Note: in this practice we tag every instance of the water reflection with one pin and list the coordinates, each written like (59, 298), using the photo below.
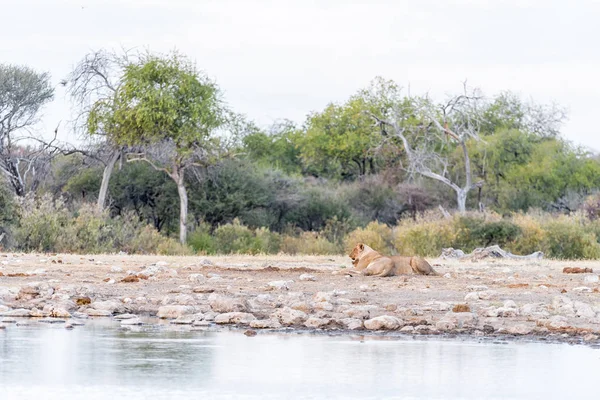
(99, 362)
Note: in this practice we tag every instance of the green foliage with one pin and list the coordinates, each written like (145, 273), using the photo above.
(340, 141)
(237, 238)
(47, 225)
(424, 237)
(161, 98)
(566, 238)
(308, 243)
(376, 235)
(278, 149)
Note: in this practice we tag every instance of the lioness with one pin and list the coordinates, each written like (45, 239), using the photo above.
(367, 261)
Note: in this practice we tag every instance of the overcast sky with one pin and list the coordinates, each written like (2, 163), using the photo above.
(283, 59)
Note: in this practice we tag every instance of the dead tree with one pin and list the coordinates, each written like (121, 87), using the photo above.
(454, 122)
(93, 83)
(23, 92)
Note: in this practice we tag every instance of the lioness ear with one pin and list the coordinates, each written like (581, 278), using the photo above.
(361, 246)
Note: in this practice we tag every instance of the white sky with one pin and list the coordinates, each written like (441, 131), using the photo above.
(284, 58)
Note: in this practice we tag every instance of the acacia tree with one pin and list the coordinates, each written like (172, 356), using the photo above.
(23, 92)
(428, 132)
(92, 85)
(166, 105)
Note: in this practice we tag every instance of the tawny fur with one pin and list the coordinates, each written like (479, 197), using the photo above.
(367, 261)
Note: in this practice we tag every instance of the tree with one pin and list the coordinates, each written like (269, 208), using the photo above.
(166, 105)
(434, 129)
(23, 93)
(93, 86)
(341, 141)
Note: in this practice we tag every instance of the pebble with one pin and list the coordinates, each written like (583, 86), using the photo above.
(307, 277)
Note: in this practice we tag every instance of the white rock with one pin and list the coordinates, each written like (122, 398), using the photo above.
(583, 289)
(591, 279)
(197, 278)
(519, 329)
(307, 277)
(172, 312)
(473, 296)
(288, 316)
(447, 275)
(116, 269)
(234, 318)
(131, 321)
(510, 304)
(265, 324)
(352, 323)
(583, 310)
(281, 285)
(385, 322)
(316, 323)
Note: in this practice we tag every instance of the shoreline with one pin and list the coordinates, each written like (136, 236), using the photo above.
(493, 299)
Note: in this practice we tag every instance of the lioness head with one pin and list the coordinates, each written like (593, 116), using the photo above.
(357, 251)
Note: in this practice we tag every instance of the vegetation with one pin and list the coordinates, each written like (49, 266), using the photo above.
(381, 167)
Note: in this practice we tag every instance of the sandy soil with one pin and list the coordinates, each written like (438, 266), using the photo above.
(532, 299)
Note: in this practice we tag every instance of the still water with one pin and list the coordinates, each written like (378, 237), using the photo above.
(100, 361)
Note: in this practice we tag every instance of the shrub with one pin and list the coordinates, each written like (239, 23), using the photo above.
(201, 241)
(424, 237)
(91, 231)
(499, 233)
(42, 221)
(308, 243)
(531, 235)
(376, 235)
(567, 239)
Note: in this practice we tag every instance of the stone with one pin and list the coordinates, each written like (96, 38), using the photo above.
(557, 322)
(250, 333)
(20, 312)
(121, 317)
(519, 329)
(445, 325)
(280, 285)
(534, 309)
(447, 275)
(316, 323)
(361, 312)
(583, 310)
(563, 305)
(59, 312)
(324, 306)
(234, 318)
(111, 306)
(322, 297)
(265, 324)
(197, 278)
(183, 320)
(224, 304)
(407, 329)
(307, 277)
(2, 327)
(352, 323)
(505, 312)
(172, 312)
(461, 319)
(98, 313)
(288, 316)
(9, 320)
(591, 279)
(510, 304)
(116, 269)
(583, 289)
(200, 323)
(383, 322)
(473, 296)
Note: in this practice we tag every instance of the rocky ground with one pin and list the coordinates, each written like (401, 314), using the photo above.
(531, 299)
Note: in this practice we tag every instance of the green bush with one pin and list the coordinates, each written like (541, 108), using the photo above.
(375, 235)
(308, 243)
(424, 237)
(42, 222)
(565, 238)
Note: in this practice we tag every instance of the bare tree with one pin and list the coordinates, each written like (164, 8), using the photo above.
(94, 83)
(23, 92)
(455, 121)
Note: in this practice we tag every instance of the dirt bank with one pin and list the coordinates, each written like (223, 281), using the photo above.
(532, 299)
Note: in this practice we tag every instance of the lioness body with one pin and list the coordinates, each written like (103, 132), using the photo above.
(370, 262)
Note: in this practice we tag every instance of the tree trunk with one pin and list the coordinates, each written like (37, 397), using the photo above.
(461, 200)
(106, 178)
(183, 206)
